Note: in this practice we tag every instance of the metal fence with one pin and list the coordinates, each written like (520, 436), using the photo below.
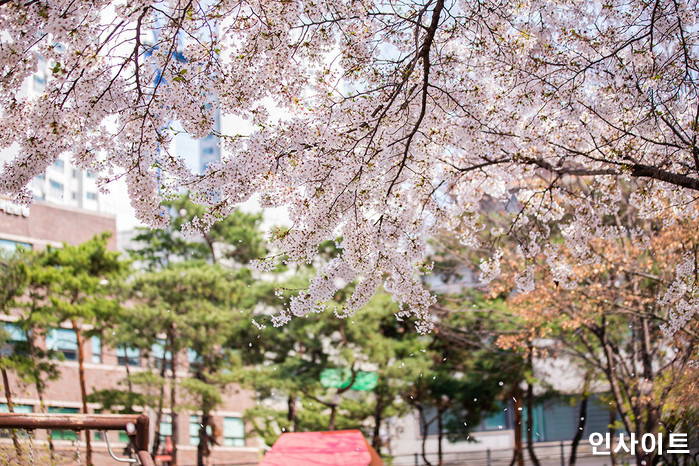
(549, 454)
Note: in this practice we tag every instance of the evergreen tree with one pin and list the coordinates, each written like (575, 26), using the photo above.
(27, 298)
(197, 297)
(234, 239)
(13, 276)
(79, 293)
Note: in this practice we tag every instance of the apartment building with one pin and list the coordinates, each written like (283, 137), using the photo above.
(44, 225)
(65, 184)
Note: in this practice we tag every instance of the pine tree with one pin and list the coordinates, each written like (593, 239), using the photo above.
(79, 292)
(196, 297)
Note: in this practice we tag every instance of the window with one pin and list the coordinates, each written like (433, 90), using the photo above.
(63, 434)
(193, 358)
(452, 422)
(233, 432)
(74, 195)
(17, 408)
(194, 430)
(64, 340)
(194, 426)
(75, 173)
(59, 165)
(160, 355)
(558, 418)
(91, 196)
(91, 174)
(55, 188)
(495, 421)
(165, 428)
(12, 246)
(96, 350)
(123, 437)
(130, 356)
(99, 436)
(207, 150)
(13, 334)
(5, 433)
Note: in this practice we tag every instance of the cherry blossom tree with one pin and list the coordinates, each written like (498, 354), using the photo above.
(376, 121)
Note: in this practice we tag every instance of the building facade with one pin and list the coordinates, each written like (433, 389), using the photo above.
(555, 422)
(45, 225)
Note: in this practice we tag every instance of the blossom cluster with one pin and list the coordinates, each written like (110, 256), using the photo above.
(372, 121)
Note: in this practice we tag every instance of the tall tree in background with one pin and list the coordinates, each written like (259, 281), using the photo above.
(453, 393)
(617, 325)
(184, 305)
(214, 310)
(479, 330)
(318, 364)
(504, 345)
(29, 307)
(626, 313)
(412, 370)
(168, 302)
(80, 294)
(13, 276)
(235, 239)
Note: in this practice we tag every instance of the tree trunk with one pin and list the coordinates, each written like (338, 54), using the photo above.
(128, 451)
(423, 422)
(582, 419)
(530, 425)
(440, 436)
(39, 385)
(612, 434)
(610, 371)
(653, 408)
(129, 384)
(173, 393)
(652, 426)
(292, 415)
(11, 409)
(518, 454)
(159, 413)
(203, 447)
(210, 244)
(333, 409)
(378, 419)
(83, 388)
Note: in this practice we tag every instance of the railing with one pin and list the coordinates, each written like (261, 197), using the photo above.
(548, 453)
(136, 426)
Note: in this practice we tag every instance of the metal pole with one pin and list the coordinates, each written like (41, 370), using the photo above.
(563, 457)
(488, 452)
(416, 464)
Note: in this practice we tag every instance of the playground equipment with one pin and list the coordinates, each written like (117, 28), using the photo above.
(136, 426)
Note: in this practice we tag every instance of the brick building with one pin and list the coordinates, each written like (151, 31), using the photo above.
(106, 368)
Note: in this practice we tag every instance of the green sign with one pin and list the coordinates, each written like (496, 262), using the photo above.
(341, 378)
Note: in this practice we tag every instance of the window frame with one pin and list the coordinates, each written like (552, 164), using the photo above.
(69, 353)
(124, 358)
(233, 440)
(63, 434)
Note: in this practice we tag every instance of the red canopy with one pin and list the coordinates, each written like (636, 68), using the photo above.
(336, 448)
